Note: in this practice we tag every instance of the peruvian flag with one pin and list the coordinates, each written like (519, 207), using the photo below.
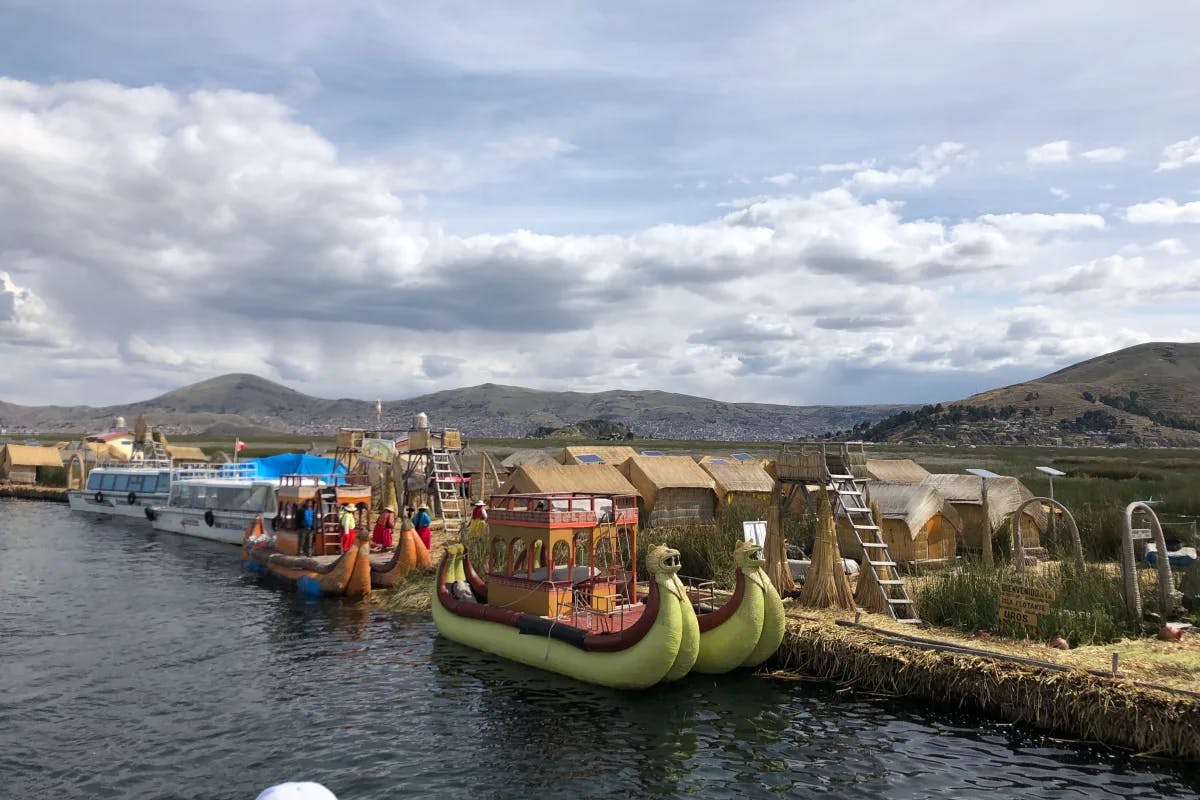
(238, 445)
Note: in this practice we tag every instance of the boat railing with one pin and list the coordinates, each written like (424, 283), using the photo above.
(243, 471)
(701, 592)
(548, 516)
(598, 613)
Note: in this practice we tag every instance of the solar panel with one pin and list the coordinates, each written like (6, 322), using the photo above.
(1051, 471)
(743, 456)
(652, 453)
(589, 458)
(717, 461)
(984, 473)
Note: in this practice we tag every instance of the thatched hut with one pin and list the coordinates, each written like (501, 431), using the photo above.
(586, 478)
(1004, 494)
(918, 524)
(895, 470)
(613, 456)
(22, 463)
(674, 490)
(740, 483)
(186, 454)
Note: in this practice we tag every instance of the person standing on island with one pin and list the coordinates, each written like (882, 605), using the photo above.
(478, 525)
(307, 524)
(384, 526)
(422, 522)
(347, 521)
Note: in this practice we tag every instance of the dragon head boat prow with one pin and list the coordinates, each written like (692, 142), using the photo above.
(663, 561)
(748, 556)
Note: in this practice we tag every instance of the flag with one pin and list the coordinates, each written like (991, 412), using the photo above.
(238, 445)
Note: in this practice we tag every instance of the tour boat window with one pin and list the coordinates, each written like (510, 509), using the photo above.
(150, 483)
(109, 480)
(134, 483)
(94, 481)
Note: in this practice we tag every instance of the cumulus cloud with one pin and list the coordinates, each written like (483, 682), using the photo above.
(931, 163)
(1164, 211)
(1120, 278)
(25, 318)
(1172, 247)
(1180, 154)
(1058, 152)
(846, 166)
(782, 179)
(1104, 155)
(1043, 223)
(1060, 194)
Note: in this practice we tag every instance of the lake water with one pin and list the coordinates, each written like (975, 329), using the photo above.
(136, 664)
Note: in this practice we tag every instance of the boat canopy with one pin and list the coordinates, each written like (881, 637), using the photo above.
(273, 467)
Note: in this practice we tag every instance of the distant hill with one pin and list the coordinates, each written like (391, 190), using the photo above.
(1145, 395)
(249, 405)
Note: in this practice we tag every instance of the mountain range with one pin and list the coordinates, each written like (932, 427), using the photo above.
(247, 405)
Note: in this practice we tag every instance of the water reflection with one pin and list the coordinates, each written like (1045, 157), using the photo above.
(140, 664)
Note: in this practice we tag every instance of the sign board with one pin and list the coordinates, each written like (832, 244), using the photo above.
(378, 449)
(755, 532)
(1140, 533)
(1024, 603)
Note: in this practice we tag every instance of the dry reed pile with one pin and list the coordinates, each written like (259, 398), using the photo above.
(825, 584)
(1113, 711)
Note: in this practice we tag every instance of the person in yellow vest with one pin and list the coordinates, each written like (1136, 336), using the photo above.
(348, 522)
(478, 526)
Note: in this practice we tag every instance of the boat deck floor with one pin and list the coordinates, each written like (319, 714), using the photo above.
(597, 622)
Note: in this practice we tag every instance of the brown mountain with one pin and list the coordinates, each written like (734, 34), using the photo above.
(1148, 394)
(250, 405)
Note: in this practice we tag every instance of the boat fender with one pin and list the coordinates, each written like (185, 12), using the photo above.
(151, 514)
(132, 498)
(540, 626)
(209, 519)
(98, 497)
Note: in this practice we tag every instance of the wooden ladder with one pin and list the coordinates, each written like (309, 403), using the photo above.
(328, 522)
(851, 504)
(447, 491)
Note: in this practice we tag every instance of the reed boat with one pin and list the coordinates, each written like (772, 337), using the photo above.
(407, 556)
(345, 575)
(748, 627)
(555, 594)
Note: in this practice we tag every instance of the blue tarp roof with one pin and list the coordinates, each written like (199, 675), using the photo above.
(296, 464)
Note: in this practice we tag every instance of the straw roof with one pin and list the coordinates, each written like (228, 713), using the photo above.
(527, 456)
(593, 478)
(670, 472)
(739, 477)
(896, 470)
(1004, 495)
(24, 455)
(913, 504)
(183, 452)
(613, 456)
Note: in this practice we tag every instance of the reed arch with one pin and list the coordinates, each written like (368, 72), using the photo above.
(1166, 587)
(74, 482)
(1019, 542)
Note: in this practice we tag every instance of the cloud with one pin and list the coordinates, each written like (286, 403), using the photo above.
(931, 164)
(1041, 224)
(1060, 194)
(1172, 247)
(1105, 155)
(25, 318)
(847, 166)
(782, 179)
(1180, 154)
(1058, 152)
(520, 149)
(1120, 278)
(1163, 211)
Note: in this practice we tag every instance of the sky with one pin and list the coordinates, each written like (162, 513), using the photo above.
(800, 203)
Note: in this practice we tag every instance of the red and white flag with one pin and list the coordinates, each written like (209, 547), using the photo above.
(238, 445)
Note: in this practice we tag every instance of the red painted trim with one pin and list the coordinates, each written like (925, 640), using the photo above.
(610, 642)
(478, 586)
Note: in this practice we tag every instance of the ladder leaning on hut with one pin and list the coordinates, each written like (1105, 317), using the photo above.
(447, 485)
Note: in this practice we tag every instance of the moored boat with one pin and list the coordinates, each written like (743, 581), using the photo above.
(345, 575)
(555, 594)
(409, 555)
(748, 628)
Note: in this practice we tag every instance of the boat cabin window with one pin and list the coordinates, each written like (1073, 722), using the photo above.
(228, 498)
(108, 483)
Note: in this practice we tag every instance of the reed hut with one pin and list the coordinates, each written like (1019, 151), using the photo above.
(186, 454)
(1004, 494)
(674, 490)
(22, 463)
(895, 470)
(613, 456)
(740, 483)
(915, 520)
(586, 478)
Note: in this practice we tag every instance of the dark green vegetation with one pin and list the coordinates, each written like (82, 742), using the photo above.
(1143, 395)
(588, 429)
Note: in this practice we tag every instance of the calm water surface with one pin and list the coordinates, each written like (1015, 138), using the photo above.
(137, 664)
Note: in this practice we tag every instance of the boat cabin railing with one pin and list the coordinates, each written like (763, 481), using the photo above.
(701, 592)
(564, 508)
(242, 471)
(329, 479)
(596, 613)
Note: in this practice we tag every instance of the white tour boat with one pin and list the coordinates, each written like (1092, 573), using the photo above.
(217, 506)
(123, 491)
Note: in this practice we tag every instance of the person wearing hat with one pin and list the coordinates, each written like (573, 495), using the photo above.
(381, 535)
(423, 522)
(348, 521)
(478, 525)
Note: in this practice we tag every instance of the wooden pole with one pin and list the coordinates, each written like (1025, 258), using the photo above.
(988, 561)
